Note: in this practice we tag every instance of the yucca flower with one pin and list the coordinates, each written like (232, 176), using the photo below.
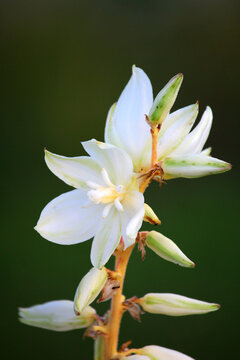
(180, 152)
(106, 203)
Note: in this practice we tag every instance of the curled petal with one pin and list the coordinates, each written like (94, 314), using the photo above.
(67, 220)
(176, 126)
(116, 161)
(194, 142)
(192, 166)
(57, 316)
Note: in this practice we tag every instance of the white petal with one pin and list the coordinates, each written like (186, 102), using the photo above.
(192, 166)
(74, 171)
(206, 152)
(106, 239)
(116, 161)
(111, 135)
(66, 220)
(132, 216)
(194, 142)
(177, 126)
(128, 120)
(160, 353)
(57, 316)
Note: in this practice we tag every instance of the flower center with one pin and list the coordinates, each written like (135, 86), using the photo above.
(109, 195)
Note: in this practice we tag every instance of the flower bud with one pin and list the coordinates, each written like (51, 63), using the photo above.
(165, 100)
(57, 316)
(192, 166)
(98, 348)
(175, 305)
(167, 249)
(89, 288)
(150, 216)
(155, 352)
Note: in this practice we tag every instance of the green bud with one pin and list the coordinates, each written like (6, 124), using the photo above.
(89, 288)
(150, 216)
(175, 305)
(165, 100)
(167, 249)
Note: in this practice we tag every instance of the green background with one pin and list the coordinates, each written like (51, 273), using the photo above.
(63, 64)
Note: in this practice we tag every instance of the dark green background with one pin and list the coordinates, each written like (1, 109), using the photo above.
(63, 64)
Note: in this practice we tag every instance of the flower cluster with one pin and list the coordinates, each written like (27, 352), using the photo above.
(144, 141)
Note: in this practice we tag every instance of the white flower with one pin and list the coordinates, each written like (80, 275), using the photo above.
(57, 316)
(106, 204)
(179, 151)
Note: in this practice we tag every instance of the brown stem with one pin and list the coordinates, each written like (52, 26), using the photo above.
(111, 341)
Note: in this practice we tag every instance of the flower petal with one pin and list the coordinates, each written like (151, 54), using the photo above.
(57, 316)
(132, 216)
(67, 220)
(111, 135)
(176, 126)
(206, 151)
(116, 161)
(106, 239)
(129, 115)
(192, 166)
(74, 171)
(194, 142)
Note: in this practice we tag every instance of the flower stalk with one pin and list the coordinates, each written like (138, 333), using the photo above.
(116, 312)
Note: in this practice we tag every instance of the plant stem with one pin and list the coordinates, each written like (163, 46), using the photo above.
(111, 341)
(154, 131)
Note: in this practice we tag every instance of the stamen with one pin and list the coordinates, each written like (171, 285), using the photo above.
(118, 205)
(119, 188)
(106, 178)
(92, 185)
(106, 210)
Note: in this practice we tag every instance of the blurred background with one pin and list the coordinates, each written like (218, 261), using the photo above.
(63, 64)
